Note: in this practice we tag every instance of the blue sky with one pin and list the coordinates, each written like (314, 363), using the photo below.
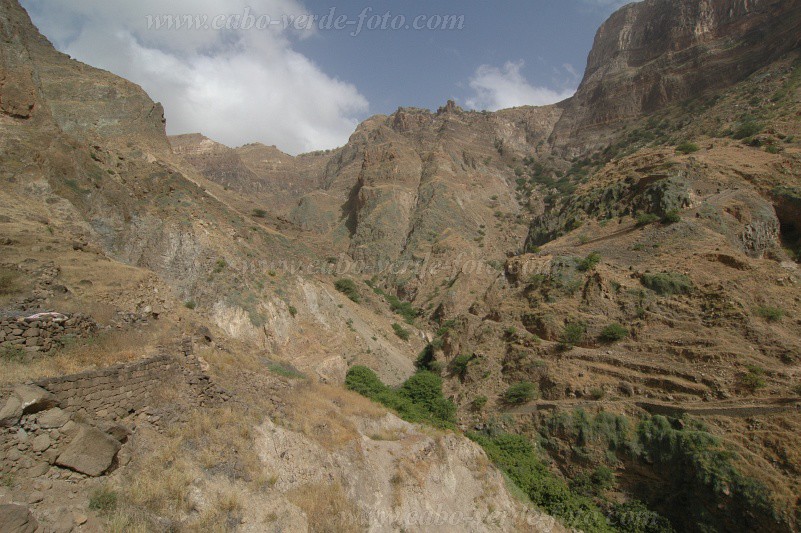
(306, 88)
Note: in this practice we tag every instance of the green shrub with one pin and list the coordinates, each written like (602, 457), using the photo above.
(671, 217)
(259, 213)
(754, 378)
(772, 149)
(573, 334)
(667, 283)
(517, 458)
(687, 147)
(293, 310)
(747, 128)
(285, 369)
(521, 393)
(597, 393)
(418, 400)
(589, 262)
(594, 484)
(401, 332)
(478, 403)
(614, 332)
(458, 366)
(364, 381)
(645, 219)
(771, 314)
(635, 517)
(103, 500)
(348, 288)
(220, 265)
(190, 304)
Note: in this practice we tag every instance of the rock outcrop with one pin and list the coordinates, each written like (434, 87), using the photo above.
(658, 52)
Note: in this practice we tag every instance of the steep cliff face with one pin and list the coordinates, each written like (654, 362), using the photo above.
(657, 52)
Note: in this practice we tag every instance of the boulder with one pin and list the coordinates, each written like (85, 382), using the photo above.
(17, 519)
(25, 399)
(91, 452)
(53, 418)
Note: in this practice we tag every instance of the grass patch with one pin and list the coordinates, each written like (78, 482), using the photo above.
(754, 378)
(259, 213)
(103, 500)
(285, 369)
(747, 128)
(12, 354)
(479, 402)
(8, 282)
(771, 314)
(459, 365)
(190, 304)
(348, 288)
(672, 217)
(573, 334)
(646, 219)
(667, 283)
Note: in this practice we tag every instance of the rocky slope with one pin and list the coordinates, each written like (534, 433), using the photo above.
(655, 273)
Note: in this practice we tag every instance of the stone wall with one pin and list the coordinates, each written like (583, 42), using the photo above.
(45, 333)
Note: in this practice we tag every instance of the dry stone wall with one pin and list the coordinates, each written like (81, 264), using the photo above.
(42, 333)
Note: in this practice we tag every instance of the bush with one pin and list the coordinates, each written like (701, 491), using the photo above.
(771, 314)
(645, 219)
(348, 288)
(573, 333)
(589, 262)
(517, 458)
(478, 403)
(747, 128)
(259, 213)
(597, 394)
(418, 400)
(687, 148)
(190, 304)
(401, 332)
(614, 332)
(754, 379)
(797, 390)
(667, 283)
(459, 365)
(635, 517)
(103, 500)
(364, 381)
(293, 310)
(521, 393)
(671, 217)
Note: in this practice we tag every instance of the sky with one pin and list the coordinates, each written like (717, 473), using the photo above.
(301, 74)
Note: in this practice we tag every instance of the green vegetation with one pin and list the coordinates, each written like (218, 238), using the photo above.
(103, 500)
(400, 331)
(285, 369)
(220, 265)
(796, 390)
(398, 306)
(348, 288)
(687, 147)
(667, 283)
(754, 378)
(595, 483)
(418, 400)
(589, 262)
(672, 217)
(645, 219)
(521, 393)
(259, 213)
(597, 394)
(573, 334)
(458, 366)
(771, 314)
(613, 333)
(479, 402)
(292, 310)
(518, 459)
(747, 128)
(190, 304)
(635, 517)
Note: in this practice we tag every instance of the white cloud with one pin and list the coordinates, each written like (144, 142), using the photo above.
(499, 88)
(235, 86)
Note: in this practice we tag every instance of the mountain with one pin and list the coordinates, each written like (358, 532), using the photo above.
(601, 293)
